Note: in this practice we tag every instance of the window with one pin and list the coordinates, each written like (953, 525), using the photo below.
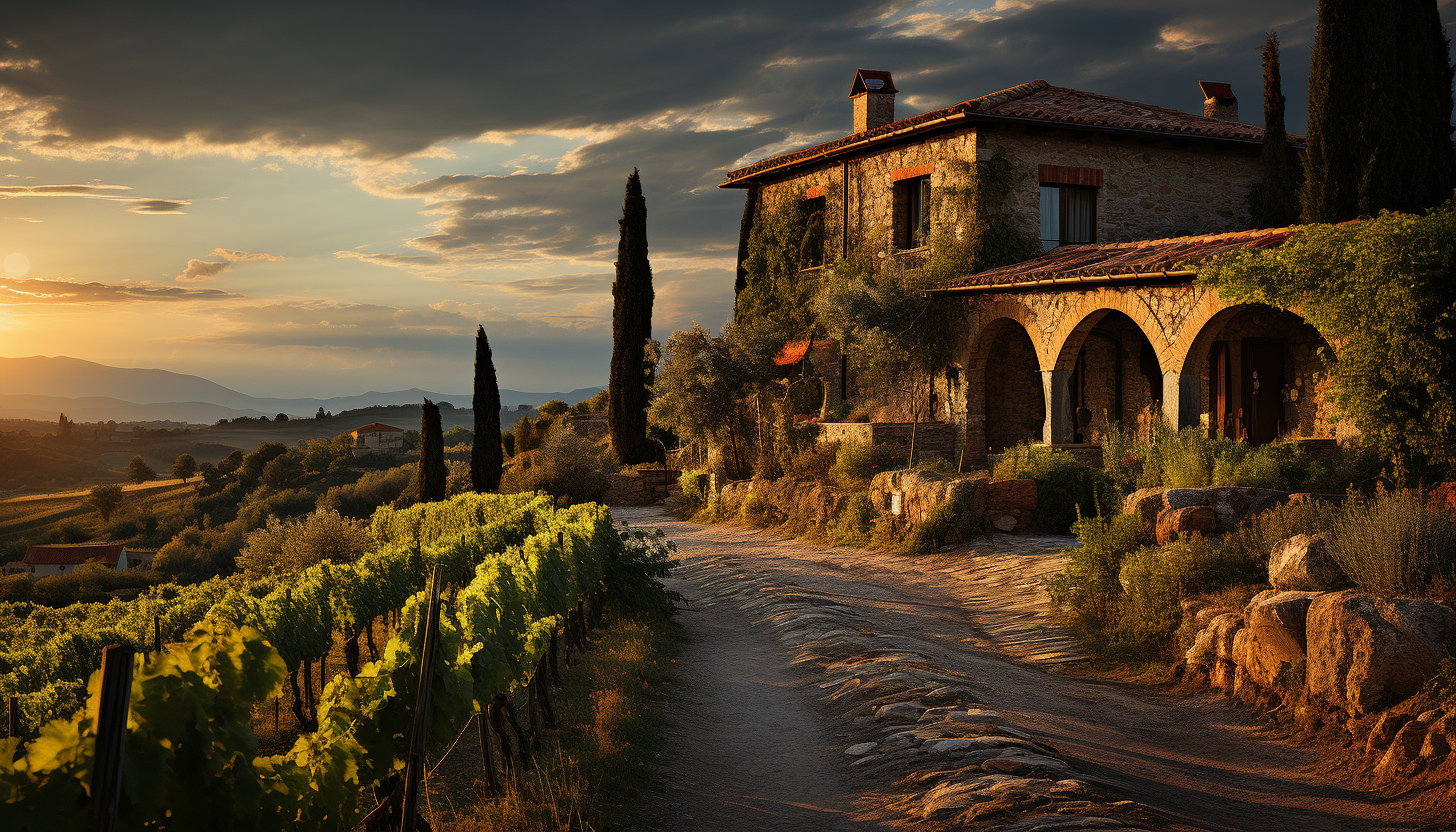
(811, 248)
(912, 199)
(1068, 215)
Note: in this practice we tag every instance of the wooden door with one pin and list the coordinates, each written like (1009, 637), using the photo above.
(1262, 361)
(1220, 391)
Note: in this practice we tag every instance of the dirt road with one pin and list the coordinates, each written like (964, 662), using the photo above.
(756, 744)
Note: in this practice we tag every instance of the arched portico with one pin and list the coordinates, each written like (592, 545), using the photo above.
(1004, 394)
(1255, 373)
(1106, 373)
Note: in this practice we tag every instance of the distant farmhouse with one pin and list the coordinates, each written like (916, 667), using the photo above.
(1127, 199)
(376, 437)
(63, 558)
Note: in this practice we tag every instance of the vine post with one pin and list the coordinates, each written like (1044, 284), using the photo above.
(112, 712)
(419, 731)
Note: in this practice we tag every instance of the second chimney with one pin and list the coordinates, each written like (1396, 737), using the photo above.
(1219, 101)
(873, 93)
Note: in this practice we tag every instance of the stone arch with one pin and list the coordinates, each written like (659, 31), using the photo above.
(1253, 372)
(1066, 338)
(1004, 393)
(1110, 375)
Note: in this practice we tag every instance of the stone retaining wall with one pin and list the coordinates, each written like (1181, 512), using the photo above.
(932, 439)
(642, 487)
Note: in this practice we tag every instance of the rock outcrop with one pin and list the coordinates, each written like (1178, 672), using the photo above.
(1367, 652)
(1174, 523)
(1303, 562)
(1010, 504)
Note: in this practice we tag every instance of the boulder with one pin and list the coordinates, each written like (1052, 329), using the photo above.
(1403, 749)
(1176, 522)
(1011, 498)
(1366, 653)
(1176, 498)
(1437, 745)
(1303, 562)
(1147, 503)
(1384, 730)
(1230, 506)
(1273, 637)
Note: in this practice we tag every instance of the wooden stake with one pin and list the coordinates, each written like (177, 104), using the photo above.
(112, 712)
(414, 771)
(487, 762)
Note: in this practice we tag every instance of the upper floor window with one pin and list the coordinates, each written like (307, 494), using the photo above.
(1068, 215)
(811, 248)
(1068, 204)
(912, 206)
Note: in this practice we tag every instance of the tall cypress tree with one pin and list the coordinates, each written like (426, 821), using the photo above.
(631, 328)
(1275, 202)
(745, 230)
(431, 473)
(485, 451)
(1379, 111)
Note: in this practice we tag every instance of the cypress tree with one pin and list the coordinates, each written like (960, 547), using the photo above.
(431, 475)
(745, 230)
(631, 328)
(1379, 111)
(485, 455)
(1275, 202)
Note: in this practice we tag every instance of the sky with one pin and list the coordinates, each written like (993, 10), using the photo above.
(318, 199)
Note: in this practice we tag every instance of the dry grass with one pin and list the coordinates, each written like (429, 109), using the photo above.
(592, 768)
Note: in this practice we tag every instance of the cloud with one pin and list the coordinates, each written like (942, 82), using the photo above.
(137, 205)
(385, 259)
(207, 269)
(37, 291)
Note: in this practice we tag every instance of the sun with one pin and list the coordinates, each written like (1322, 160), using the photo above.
(16, 265)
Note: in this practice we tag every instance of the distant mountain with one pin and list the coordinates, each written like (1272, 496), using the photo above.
(39, 387)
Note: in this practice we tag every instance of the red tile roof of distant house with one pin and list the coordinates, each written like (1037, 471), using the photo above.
(1074, 266)
(376, 427)
(794, 351)
(1033, 103)
(69, 554)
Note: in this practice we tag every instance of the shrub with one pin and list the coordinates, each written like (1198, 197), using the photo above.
(1088, 590)
(634, 571)
(1255, 537)
(855, 463)
(260, 505)
(1395, 543)
(566, 466)
(813, 462)
(374, 489)
(855, 523)
(757, 511)
(293, 545)
(196, 554)
(1065, 487)
(692, 496)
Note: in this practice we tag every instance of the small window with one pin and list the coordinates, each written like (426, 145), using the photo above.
(912, 200)
(1068, 215)
(811, 248)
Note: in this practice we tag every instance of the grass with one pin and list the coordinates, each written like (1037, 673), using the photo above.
(1394, 543)
(592, 769)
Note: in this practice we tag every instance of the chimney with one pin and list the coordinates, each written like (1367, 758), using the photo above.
(1219, 101)
(874, 99)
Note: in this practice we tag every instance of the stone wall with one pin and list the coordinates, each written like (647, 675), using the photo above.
(589, 426)
(932, 439)
(1151, 188)
(642, 487)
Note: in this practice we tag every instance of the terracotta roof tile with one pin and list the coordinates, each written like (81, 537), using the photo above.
(377, 427)
(794, 351)
(73, 553)
(1071, 265)
(1035, 101)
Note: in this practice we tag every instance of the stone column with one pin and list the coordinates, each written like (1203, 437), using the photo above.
(1182, 399)
(1058, 427)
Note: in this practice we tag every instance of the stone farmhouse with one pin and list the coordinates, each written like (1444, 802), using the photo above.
(1109, 326)
(377, 436)
(62, 558)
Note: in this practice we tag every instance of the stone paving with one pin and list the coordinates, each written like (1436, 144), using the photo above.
(919, 723)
